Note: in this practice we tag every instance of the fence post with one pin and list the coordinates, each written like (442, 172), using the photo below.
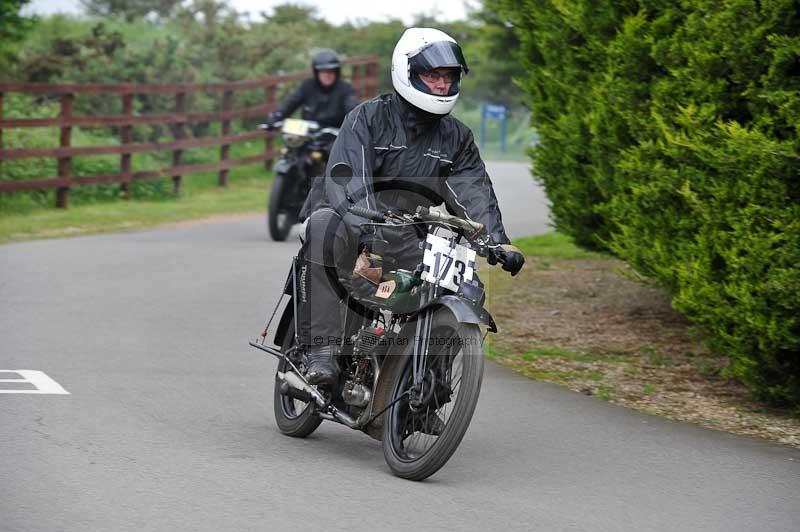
(367, 68)
(374, 82)
(268, 143)
(178, 133)
(127, 138)
(64, 163)
(227, 105)
(355, 79)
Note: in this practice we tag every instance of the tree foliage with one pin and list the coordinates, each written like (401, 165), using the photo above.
(669, 135)
(207, 41)
(486, 47)
(13, 28)
(130, 10)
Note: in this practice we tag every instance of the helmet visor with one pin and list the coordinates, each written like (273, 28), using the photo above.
(441, 54)
(332, 65)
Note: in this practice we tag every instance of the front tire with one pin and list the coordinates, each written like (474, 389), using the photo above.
(294, 417)
(410, 446)
(279, 218)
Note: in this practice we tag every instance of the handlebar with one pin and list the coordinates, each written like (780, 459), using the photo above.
(315, 129)
(470, 228)
(328, 131)
(369, 214)
(271, 126)
(466, 225)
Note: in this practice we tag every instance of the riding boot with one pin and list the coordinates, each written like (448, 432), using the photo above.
(321, 364)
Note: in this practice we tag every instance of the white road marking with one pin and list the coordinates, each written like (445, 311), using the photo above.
(43, 383)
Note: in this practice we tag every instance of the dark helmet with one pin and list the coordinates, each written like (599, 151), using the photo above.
(326, 59)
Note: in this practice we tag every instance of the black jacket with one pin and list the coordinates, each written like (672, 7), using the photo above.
(326, 106)
(403, 157)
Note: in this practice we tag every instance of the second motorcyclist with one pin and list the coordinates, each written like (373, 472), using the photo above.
(325, 98)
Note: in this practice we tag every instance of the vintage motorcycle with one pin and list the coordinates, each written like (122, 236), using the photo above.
(304, 154)
(412, 363)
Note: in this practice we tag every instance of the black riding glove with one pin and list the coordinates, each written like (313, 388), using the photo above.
(273, 119)
(512, 259)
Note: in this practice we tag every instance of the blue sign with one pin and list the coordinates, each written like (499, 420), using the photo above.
(497, 112)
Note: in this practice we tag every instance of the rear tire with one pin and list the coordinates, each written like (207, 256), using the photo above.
(294, 417)
(279, 218)
(414, 454)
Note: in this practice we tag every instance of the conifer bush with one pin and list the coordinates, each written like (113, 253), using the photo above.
(669, 136)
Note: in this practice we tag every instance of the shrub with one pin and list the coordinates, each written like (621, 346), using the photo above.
(668, 135)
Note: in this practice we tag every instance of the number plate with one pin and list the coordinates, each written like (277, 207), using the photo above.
(293, 126)
(445, 265)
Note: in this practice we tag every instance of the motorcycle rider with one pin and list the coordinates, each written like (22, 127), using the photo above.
(325, 98)
(405, 133)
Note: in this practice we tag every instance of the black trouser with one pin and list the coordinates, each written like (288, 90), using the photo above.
(328, 254)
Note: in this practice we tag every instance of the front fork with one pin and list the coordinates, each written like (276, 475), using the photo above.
(421, 339)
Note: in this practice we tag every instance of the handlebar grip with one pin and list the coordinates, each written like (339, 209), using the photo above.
(496, 255)
(369, 214)
(271, 126)
(465, 225)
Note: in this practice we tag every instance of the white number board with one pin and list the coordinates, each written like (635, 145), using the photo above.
(445, 265)
(293, 126)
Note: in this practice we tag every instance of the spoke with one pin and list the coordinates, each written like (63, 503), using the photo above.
(445, 360)
(414, 435)
(406, 418)
(454, 386)
(428, 418)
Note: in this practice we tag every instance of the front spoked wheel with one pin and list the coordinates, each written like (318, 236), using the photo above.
(424, 427)
(280, 217)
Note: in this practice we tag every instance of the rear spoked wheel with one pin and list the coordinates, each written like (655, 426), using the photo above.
(424, 427)
(293, 416)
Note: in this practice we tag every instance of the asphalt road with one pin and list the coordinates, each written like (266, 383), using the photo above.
(168, 422)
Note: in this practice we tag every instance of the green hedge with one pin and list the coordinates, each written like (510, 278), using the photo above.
(669, 136)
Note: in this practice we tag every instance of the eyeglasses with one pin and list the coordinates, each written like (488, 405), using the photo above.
(431, 76)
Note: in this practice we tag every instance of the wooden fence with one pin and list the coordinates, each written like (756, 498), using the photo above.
(363, 74)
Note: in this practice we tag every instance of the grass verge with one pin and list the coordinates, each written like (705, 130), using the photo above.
(580, 320)
(554, 246)
(246, 192)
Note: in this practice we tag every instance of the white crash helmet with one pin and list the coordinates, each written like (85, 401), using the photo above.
(419, 50)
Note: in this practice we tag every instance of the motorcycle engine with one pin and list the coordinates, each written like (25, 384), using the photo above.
(355, 394)
(357, 390)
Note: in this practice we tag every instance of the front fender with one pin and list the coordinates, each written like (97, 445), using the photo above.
(463, 311)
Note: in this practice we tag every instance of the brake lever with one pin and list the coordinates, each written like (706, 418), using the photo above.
(493, 252)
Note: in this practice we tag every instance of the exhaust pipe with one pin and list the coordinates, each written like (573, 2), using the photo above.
(300, 388)
(294, 393)
(340, 417)
(295, 381)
